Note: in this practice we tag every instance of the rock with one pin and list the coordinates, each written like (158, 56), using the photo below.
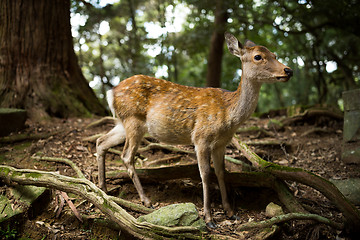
(18, 200)
(351, 132)
(11, 119)
(352, 126)
(183, 214)
(350, 188)
(351, 154)
(273, 210)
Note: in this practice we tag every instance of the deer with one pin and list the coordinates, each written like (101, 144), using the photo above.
(183, 115)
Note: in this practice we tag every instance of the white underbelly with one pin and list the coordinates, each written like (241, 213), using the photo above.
(168, 133)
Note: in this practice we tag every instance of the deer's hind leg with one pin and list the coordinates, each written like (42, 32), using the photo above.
(114, 137)
(135, 130)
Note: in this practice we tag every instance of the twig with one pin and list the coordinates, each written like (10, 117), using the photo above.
(61, 160)
(288, 217)
(101, 121)
(92, 138)
(71, 205)
(166, 147)
(61, 206)
(163, 160)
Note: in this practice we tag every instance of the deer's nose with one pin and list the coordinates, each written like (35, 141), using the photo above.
(289, 71)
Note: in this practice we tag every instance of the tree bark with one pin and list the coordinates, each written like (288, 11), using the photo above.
(213, 77)
(39, 70)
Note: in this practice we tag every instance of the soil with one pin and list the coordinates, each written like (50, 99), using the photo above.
(293, 145)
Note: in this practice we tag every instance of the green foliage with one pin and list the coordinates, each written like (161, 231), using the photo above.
(308, 36)
(8, 233)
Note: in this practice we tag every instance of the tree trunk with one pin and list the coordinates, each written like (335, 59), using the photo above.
(39, 70)
(213, 77)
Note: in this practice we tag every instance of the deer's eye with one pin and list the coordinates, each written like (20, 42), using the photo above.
(257, 57)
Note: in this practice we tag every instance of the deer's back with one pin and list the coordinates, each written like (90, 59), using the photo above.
(171, 112)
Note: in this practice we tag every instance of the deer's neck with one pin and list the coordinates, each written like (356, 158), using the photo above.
(244, 102)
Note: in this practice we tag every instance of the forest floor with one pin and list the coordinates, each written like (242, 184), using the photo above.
(313, 144)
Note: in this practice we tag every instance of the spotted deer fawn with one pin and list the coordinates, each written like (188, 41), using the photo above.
(177, 114)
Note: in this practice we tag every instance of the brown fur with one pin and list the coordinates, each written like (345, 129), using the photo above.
(177, 114)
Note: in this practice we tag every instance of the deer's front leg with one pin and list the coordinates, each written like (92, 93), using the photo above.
(217, 156)
(111, 139)
(203, 157)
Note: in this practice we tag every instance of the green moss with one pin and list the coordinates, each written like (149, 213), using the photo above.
(64, 101)
(11, 110)
(22, 146)
(4, 171)
(249, 129)
(16, 174)
(33, 175)
(274, 123)
(122, 194)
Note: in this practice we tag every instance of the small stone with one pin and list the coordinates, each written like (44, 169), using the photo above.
(284, 162)
(273, 210)
(183, 214)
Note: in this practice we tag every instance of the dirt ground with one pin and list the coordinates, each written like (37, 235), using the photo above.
(313, 144)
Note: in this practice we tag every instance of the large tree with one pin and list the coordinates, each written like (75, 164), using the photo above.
(38, 67)
(213, 76)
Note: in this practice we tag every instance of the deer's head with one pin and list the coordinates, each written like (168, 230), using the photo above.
(258, 63)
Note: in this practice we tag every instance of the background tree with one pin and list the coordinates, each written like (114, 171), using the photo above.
(38, 67)
(213, 76)
(316, 38)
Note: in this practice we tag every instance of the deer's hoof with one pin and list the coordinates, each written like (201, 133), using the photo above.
(211, 225)
(147, 203)
(234, 217)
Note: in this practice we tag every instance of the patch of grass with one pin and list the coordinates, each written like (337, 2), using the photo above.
(22, 146)
(8, 233)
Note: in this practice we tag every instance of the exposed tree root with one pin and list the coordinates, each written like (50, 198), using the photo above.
(191, 171)
(125, 221)
(312, 113)
(61, 160)
(122, 202)
(315, 130)
(289, 217)
(351, 214)
(164, 160)
(100, 199)
(170, 148)
(26, 136)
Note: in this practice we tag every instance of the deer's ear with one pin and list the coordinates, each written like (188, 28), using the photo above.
(233, 44)
(249, 43)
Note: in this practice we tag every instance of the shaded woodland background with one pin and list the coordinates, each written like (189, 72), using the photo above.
(181, 41)
(318, 39)
(58, 58)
